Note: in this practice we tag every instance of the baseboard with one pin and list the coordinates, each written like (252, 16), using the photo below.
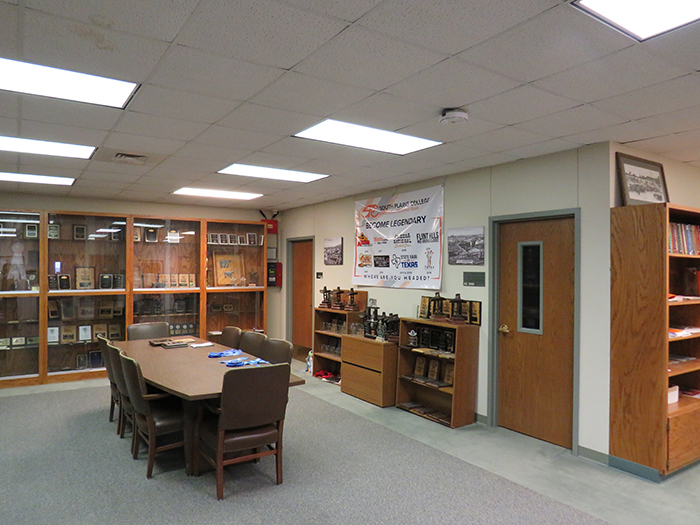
(635, 469)
(593, 455)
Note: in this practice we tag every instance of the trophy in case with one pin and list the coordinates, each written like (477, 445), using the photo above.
(326, 302)
(337, 303)
(456, 310)
(436, 313)
(352, 306)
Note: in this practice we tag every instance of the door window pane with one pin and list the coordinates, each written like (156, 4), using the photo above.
(530, 287)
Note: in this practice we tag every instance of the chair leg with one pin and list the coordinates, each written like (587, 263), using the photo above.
(220, 466)
(278, 462)
(151, 454)
(135, 443)
(111, 408)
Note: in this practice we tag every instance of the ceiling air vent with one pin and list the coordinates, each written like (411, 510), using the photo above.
(127, 157)
(131, 158)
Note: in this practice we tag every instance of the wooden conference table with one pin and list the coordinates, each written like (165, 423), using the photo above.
(188, 373)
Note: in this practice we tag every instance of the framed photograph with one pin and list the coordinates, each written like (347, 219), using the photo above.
(333, 251)
(53, 333)
(137, 233)
(151, 234)
(223, 238)
(54, 231)
(252, 239)
(84, 277)
(232, 238)
(210, 238)
(85, 333)
(115, 332)
(79, 232)
(31, 231)
(242, 240)
(641, 181)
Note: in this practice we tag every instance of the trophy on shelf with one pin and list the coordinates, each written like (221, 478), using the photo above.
(412, 338)
(392, 328)
(456, 310)
(352, 306)
(381, 328)
(326, 302)
(436, 313)
(337, 303)
(371, 319)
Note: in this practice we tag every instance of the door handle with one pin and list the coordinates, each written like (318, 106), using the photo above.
(504, 329)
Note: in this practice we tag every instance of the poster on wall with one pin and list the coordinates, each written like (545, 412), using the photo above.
(465, 246)
(398, 240)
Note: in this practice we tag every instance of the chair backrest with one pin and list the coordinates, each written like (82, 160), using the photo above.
(231, 336)
(254, 396)
(157, 330)
(277, 351)
(114, 356)
(252, 343)
(107, 358)
(135, 384)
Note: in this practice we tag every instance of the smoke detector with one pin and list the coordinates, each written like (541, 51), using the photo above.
(453, 116)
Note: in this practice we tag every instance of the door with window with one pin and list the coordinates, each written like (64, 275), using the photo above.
(536, 281)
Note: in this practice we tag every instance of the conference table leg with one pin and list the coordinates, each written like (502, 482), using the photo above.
(190, 413)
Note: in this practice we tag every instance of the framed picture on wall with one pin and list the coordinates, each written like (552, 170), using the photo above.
(252, 239)
(641, 181)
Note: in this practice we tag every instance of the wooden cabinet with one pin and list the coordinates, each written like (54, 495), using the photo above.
(453, 353)
(644, 428)
(66, 277)
(369, 369)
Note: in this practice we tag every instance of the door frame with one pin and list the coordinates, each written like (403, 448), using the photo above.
(493, 354)
(289, 311)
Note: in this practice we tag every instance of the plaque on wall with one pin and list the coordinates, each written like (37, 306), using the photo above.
(67, 309)
(151, 234)
(54, 312)
(79, 232)
(31, 231)
(99, 329)
(64, 281)
(85, 333)
(54, 231)
(68, 334)
(106, 280)
(95, 359)
(81, 361)
(433, 369)
(53, 282)
(419, 369)
(115, 332)
(85, 277)
(118, 280)
(53, 334)
(86, 308)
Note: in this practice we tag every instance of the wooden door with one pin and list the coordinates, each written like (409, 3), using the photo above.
(302, 293)
(536, 328)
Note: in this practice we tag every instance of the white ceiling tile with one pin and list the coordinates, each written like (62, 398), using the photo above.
(626, 132)
(194, 165)
(108, 177)
(160, 127)
(40, 189)
(205, 73)
(386, 111)
(48, 165)
(142, 144)
(675, 121)
(88, 48)
(118, 168)
(268, 120)
(9, 104)
(679, 46)
(448, 153)
(626, 70)
(518, 105)
(558, 39)
(305, 94)
(10, 158)
(367, 59)
(207, 152)
(452, 83)
(161, 19)
(350, 11)
(543, 148)
(66, 134)
(575, 120)
(68, 113)
(236, 138)
(450, 26)
(665, 97)
(160, 173)
(87, 193)
(669, 143)
(501, 139)
(8, 31)
(293, 147)
(107, 187)
(685, 155)
(164, 102)
(264, 31)
(273, 160)
(434, 130)
(492, 159)
(9, 126)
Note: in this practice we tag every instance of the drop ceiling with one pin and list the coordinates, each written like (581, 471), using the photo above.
(224, 81)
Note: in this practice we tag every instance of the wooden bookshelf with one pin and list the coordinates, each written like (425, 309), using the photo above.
(644, 428)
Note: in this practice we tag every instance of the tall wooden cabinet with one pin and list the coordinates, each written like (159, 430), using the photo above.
(645, 430)
(66, 277)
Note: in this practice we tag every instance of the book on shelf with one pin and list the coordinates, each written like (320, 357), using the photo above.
(408, 405)
(690, 392)
(683, 239)
(422, 411)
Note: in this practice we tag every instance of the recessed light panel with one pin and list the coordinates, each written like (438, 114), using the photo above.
(36, 179)
(364, 137)
(34, 79)
(43, 147)
(262, 172)
(643, 19)
(218, 194)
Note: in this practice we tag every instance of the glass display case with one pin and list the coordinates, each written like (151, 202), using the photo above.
(244, 309)
(235, 255)
(179, 310)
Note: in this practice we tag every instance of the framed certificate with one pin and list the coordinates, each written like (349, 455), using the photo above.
(137, 233)
(232, 238)
(68, 334)
(151, 234)
(31, 231)
(85, 277)
(79, 232)
(54, 231)
(252, 239)
(85, 333)
(53, 334)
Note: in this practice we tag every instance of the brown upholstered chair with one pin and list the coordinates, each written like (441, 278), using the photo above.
(252, 343)
(277, 351)
(250, 419)
(158, 418)
(138, 331)
(114, 390)
(231, 336)
(126, 411)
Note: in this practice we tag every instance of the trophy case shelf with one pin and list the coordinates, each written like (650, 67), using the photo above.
(437, 371)
(65, 277)
(330, 324)
(650, 282)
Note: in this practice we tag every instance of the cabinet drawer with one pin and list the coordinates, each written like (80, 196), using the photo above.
(363, 383)
(683, 442)
(363, 352)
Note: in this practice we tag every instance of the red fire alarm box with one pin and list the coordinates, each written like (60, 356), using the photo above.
(270, 225)
(274, 274)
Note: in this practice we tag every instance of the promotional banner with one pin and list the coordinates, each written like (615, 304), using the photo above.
(398, 240)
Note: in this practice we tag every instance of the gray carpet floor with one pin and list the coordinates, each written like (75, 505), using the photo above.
(62, 463)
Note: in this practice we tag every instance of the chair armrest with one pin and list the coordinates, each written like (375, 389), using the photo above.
(214, 409)
(155, 397)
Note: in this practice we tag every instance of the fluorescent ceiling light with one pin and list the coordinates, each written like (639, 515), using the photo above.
(43, 147)
(218, 194)
(36, 179)
(188, 233)
(8, 230)
(363, 137)
(643, 19)
(108, 230)
(262, 172)
(96, 236)
(144, 225)
(33, 79)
